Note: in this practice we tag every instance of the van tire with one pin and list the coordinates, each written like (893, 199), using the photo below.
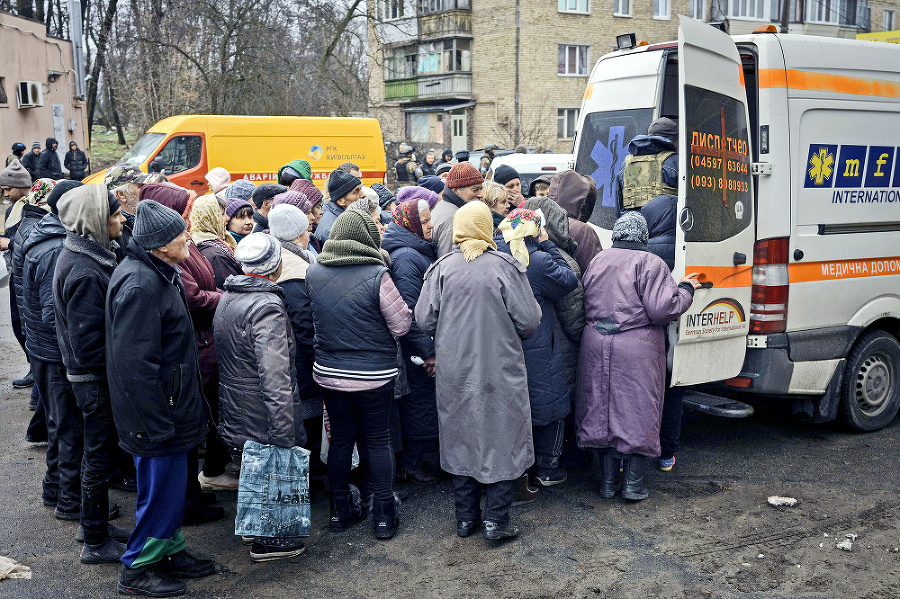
(870, 395)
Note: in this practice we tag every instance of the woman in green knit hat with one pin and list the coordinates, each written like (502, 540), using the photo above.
(357, 313)
(293, 170)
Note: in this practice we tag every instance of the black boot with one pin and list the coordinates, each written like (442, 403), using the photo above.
(385, 518)
(524, 492)
(610, 480)
(494, 531)
(347, 511)
(144, 581)
(634, 488)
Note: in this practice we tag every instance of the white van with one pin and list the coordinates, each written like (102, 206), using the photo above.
(788, 206)
(532, 166)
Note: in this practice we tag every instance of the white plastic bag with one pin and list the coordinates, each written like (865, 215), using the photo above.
(326, 441)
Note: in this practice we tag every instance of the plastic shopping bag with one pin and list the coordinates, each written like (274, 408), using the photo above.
(273, 495)
(326, 441)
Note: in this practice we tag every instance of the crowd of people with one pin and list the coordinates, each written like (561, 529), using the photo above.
(456, 329)
(45, 163)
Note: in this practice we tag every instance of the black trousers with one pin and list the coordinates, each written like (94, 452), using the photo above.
(670, 426)
(548, 445)
(361, 417)
(217, 455)
(498, 498)
(99, 463)
(65, 431)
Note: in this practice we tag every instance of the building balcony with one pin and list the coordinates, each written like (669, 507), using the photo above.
(401, 89)
(453, 23)
(451, 85)
(397, 31)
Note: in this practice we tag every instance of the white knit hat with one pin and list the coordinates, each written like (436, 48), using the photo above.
(287, 222)
(258, 253)
(218, 179)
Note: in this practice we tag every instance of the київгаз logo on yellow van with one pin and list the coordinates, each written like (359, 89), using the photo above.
(315, 152)
(721, 315)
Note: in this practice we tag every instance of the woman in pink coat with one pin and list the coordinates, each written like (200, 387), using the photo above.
(629, 298)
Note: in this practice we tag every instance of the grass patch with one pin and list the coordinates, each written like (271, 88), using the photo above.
(105, 148)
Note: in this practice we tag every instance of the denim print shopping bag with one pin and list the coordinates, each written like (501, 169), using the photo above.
(273, 496)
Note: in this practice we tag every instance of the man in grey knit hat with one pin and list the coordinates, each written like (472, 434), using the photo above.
(154, 385)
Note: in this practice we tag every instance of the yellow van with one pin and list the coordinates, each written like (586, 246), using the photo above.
(255, 147)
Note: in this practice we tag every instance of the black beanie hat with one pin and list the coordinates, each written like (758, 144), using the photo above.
(114, 203)
(504, 174)
(58, 191)
(340, 184)
(385, 196)
(266, 191)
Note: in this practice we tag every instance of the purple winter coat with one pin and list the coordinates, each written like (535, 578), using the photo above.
(629, 297)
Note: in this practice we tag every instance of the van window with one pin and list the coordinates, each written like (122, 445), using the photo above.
(180, 153)
(718, 194)
(602, 151)
(142, 148)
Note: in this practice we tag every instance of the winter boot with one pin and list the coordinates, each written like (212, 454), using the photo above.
(386, 518)
(146, 581)
(347, 511)
(609, 475)
(524, 492)
(634, 488)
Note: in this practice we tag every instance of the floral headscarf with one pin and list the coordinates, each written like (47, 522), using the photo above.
(39, 192)
(406, 215)
(516, 227)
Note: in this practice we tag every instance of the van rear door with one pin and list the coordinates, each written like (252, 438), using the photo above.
(715, 233)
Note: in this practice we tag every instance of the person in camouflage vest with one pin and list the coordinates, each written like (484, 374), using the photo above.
(651, 167)
(406, 168)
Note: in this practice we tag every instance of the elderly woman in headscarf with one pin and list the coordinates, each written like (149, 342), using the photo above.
(569, 317)
(357, 312)
(411, 192)
(299, 200)
(408, 240)
(478, 306)
(203, 297)
(315, 197)
(208, 233)
(521, 234)
(629, 298)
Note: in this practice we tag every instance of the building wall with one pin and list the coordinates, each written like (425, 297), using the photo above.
(29, 55)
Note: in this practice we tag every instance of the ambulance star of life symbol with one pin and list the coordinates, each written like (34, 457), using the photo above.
(821, 165)
(686, 220)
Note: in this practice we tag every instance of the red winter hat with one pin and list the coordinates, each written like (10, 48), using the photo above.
(463, 175)
(167, 194)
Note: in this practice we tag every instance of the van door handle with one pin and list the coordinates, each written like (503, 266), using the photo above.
(196, 182)
(706, 285)
(740, 258)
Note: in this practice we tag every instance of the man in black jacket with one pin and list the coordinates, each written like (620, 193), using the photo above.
(48, 163)
(154, 383)
(30, 160)
(92, 218)
(76, 161)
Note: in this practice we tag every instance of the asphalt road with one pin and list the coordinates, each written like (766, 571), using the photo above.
(706, 530)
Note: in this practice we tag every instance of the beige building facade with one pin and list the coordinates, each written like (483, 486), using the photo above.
(461, 74)
(38, 97)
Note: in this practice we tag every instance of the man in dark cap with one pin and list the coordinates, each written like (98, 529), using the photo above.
(406, 168)
(30, 160)
(154, 384)
(92, 217)
(651, 167)
(262, 197)
(125, 181)
(508, 177)
(18, 151)
(343, 189)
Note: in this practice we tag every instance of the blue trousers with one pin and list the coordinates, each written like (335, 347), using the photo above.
(161, 483)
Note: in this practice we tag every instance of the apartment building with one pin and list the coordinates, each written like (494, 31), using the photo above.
(465, 73)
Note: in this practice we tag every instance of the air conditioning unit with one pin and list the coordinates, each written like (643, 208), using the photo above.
(30, 94)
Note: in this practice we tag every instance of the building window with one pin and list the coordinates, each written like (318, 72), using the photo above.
(572, 60)
(660, 9)
(392, 9)
(888, 20)
(579, 6)
(622, 8)
(749, 9)
(427, 7)
(400, 63)
(446, 56)
(852, 13)
(566, 119)
(3, 98)
(697, 10)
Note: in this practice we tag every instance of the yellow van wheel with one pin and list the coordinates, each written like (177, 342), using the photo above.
(871, 389)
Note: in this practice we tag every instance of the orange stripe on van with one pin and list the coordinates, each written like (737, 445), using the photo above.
(723, 276)
(810, 81)
(589, 91)
(843, 269)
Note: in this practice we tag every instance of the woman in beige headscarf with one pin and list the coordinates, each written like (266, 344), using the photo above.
(207, 218)
(477, 302)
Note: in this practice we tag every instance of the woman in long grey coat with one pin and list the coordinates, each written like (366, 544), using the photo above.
(629, 298)
(477, 304)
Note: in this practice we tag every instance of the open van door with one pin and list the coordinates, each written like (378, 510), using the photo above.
(715, 233)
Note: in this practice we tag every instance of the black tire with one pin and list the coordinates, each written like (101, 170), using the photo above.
(870, 394)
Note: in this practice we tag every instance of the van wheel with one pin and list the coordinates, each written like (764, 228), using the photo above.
(871, 390)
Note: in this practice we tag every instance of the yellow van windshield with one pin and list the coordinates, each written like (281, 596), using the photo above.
(142, 149)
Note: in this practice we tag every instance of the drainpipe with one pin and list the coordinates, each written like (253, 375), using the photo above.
(518, 13)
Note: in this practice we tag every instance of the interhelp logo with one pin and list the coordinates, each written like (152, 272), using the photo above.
(721, 315)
